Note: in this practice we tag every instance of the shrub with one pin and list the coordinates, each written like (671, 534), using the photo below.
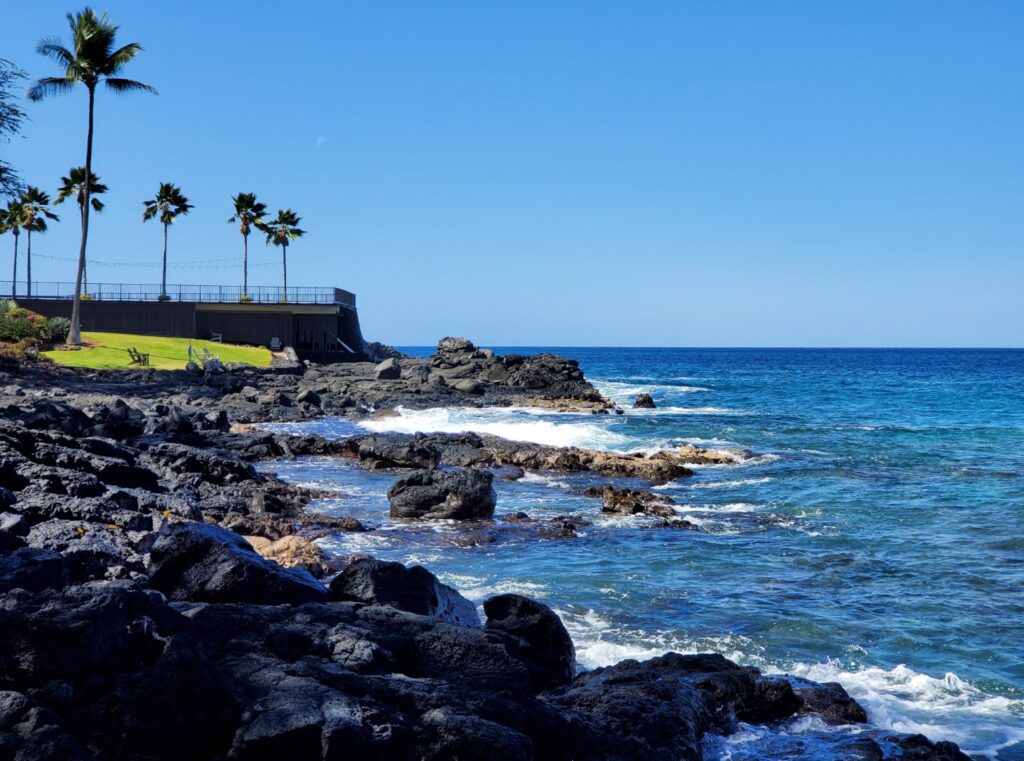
(163, 297)
(84, 297)
(245, 299)
(6, 305)
(18, 325)
(56, 329)
(19, 353)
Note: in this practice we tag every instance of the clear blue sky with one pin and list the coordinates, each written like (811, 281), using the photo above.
(739, 173)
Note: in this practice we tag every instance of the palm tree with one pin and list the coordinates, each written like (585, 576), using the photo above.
(10, 221)
(74, 185)
(92, 59)
(249, 213)
(168, 203)
(35, 205)
(280, 231)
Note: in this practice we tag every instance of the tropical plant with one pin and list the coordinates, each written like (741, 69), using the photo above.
(167, 205)
(249, 213)
(10, 222)
(55, 329)
(74, 185)
(35, 210)
(11, 117)
(17, 324)
(92, 59)
(281, 231)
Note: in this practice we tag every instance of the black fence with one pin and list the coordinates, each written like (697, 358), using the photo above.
(214, 294)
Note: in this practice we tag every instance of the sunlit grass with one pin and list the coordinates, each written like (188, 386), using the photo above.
(109, 351)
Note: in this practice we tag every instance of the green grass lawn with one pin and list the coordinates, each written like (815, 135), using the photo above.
(109, 351)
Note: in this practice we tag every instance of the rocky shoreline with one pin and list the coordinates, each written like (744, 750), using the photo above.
(161, 598)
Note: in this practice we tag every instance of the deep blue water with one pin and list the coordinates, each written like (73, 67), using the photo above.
(874, 538)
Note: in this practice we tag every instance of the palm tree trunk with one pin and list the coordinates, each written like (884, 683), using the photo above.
(75, 334)
(284, 271)
(85, 276)
(163, 281)
(245, 265)
(28, 264)
(14, 277)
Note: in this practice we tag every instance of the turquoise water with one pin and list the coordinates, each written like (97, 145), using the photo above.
(873, 538)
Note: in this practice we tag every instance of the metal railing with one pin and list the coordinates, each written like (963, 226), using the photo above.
(214, 294)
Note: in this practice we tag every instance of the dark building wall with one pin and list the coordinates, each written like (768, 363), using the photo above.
(249, 327)
(172, 318)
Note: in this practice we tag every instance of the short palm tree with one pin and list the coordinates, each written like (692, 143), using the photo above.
(74, 185)
(10, 221)
(92, 59)
(281, 231)
(249, 213)
(35, 210)
(168, 204)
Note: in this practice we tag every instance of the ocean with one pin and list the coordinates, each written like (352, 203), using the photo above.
(873, 537)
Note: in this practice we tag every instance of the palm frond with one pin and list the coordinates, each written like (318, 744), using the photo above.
(52, 49)
(128, 85)
(48, 86)
(124, 55)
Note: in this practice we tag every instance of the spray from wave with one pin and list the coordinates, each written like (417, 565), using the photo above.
(508, 422)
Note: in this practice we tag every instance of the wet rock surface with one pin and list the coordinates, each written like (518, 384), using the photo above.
(531, 632)
(415, 589)
(472, 450)
(136, 621)
(462, 494)
(632, 502)
(644, 402)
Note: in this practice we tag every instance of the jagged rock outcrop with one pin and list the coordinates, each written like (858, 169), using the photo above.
(632, 502)
(644, 402)
(414, 589)
(389, 369)
(294, 551)
(472, 450)
(203, 563)
(532, 633)
(463, 494)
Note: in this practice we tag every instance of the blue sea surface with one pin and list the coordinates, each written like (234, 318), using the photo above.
(873, 535)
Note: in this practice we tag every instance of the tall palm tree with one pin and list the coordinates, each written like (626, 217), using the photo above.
(249, 213)
(168, 204)
(281, 231)
(10, 221)
(92, 59)
(74, 185)
(35, 206)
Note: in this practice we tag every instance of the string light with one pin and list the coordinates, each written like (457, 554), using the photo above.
(197, 264)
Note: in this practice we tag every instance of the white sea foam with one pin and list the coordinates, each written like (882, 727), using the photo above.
(505, 422)
(763, 459)
(727, 484)
(733, 507)
(601, 642)
(478, 589)
(544, 480)
(942, 708)
(681, 411)
(623, 391)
